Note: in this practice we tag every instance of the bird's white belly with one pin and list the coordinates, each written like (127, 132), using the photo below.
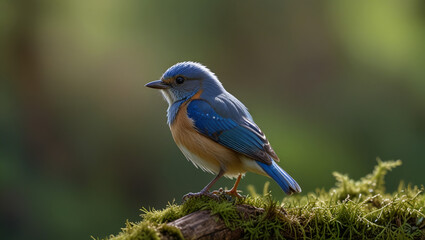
(248, 165)
(205, 165)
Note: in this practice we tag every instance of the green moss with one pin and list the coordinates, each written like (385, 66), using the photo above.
(353, 209)
(371, 184)
(169, 214)
(170, 231)
(138, 231)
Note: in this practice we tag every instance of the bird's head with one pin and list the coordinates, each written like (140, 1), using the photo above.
(185, 79)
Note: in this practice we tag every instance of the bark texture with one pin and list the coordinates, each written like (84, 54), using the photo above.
(203, 225)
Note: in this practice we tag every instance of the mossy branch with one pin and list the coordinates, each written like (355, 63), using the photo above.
(352, 210)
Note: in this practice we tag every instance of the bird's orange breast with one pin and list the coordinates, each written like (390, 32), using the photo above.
(203, 151)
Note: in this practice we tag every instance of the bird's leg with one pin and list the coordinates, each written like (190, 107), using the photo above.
(205, 190)
(234, 190)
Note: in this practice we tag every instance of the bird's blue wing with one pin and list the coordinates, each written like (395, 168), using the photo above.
(243, 136)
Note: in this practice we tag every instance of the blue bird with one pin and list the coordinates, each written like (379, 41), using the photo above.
(214, 130)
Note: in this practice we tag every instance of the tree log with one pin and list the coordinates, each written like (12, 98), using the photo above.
(203, 225)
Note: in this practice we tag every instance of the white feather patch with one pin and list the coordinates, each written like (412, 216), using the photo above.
(251, 166)
(199, 162)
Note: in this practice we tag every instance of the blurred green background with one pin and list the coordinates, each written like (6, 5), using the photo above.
(84, 145)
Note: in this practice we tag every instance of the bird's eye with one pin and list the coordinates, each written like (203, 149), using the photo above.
(179, 80)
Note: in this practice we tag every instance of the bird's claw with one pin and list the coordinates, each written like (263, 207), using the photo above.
(216, 195)
(200, 194)
(233, 193)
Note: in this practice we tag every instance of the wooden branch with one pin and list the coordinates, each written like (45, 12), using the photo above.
(203, 225)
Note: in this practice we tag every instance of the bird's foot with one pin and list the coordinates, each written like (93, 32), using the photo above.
(232, 192)
(200, 194)
(235, 194)
(216, 195)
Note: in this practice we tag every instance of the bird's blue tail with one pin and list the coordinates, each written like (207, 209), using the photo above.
(286, 182)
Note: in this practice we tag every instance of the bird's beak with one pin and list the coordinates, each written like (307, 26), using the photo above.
(158, 84)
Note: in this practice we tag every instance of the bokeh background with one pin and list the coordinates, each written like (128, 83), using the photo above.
(84, 145)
